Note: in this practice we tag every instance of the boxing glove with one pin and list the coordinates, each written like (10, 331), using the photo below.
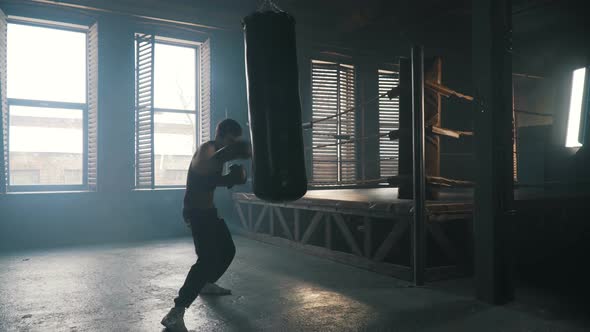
(237, 175)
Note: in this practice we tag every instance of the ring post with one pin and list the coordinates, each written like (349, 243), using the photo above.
(418, 230)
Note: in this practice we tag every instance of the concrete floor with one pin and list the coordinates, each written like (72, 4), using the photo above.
(130, 288)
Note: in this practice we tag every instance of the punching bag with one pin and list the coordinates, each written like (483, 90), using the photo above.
(274, 108)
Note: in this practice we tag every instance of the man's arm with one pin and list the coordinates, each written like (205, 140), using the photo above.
(237, 150)
(207, 167)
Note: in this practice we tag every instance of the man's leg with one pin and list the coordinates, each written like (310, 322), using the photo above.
(203, 231)
(204, 237)
(211, 288)
(226, 251)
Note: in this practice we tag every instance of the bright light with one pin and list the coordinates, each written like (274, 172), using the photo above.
(46, 144)
(46, 64)
(573, 125)
(175, 77)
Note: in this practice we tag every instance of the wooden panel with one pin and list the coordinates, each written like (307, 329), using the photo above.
(260, 218)
(312, 226)
(396, 233)
(241, 215)
(283, 223)
(347, 235)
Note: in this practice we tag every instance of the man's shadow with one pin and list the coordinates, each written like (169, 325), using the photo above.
(235, 320)
(232, 319)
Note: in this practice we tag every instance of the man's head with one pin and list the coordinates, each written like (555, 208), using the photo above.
(228, 131)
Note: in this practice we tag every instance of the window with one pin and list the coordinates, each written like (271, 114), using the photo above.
(333, 92)
(171, 108)
(48, 105)
(388, 121)
(576, 108)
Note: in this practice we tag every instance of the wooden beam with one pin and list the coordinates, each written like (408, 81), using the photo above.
(283, 223)
(271, 221)
(368, 240)
(312, 226)
(446, 91)
(241, 215)
(450, 132)
(347, 234)
(260, 218)
(443, 241)
(328, 231)
(297, 235)
(396, 233)
(494, 195)
(250, 225)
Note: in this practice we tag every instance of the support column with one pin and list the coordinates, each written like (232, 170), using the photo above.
(405, 190)
(419, 174)
(494, 193)
(116, 93)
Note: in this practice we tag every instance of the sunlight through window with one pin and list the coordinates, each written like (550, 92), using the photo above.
(46, 105)
(46, 64)
(175, 129)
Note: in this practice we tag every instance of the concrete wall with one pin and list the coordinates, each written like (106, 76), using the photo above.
(117, 212)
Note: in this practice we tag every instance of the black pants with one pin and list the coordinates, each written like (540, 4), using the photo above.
(215, 250)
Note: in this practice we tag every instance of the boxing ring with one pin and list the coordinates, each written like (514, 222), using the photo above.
(367, 228)
(407, 229)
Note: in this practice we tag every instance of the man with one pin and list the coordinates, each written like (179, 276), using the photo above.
(213, 242)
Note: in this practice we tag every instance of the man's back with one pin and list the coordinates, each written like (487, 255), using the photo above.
(199, 191)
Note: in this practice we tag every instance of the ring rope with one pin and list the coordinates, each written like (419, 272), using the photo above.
(352, 140)
(394, 92)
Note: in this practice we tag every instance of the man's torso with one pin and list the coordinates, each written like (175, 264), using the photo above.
(199, 192)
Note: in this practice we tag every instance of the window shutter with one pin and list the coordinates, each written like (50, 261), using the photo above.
(333, 91)
(92, 51)
(347, 100)
(3, 106)
(205, 93)
(144, 115)
(324, 104)
(388, 120)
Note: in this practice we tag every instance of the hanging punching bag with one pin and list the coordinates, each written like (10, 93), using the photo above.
(274, 108)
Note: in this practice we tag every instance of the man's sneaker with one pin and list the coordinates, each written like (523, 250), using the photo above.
(174, 320)
(213, 289)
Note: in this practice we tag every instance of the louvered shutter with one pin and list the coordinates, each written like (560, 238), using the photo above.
(388, 120)
(205, 93)
(324, 104)
(347, 100)
(333, 91)
(92, 51)
(144, 115)
(3, 106)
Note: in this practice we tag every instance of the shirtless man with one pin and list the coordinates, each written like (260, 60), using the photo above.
(213, 242)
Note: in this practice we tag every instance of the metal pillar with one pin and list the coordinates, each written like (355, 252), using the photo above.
(419, 242)
(405, 190)
(494, 195)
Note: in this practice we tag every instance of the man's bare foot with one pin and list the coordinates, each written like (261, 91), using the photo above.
(213, 289)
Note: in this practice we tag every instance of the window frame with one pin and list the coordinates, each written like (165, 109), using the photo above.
(51, 104)
(338, 62)
(164, 39)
